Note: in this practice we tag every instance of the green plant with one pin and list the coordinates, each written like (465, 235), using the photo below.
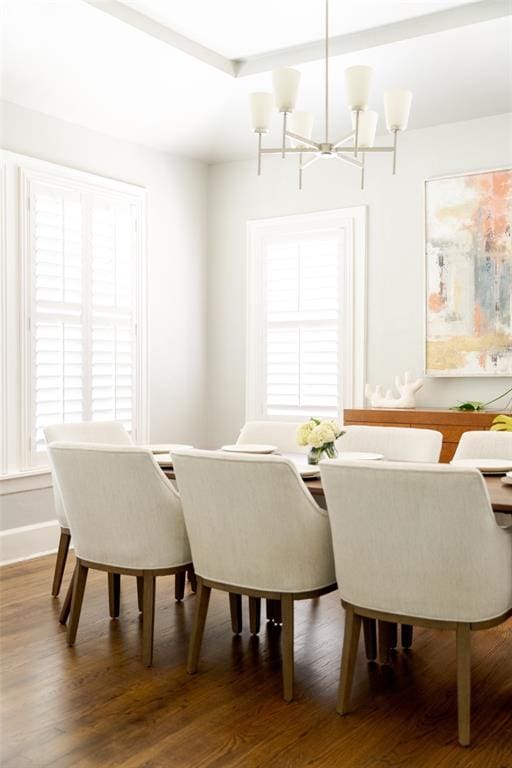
(477, 405)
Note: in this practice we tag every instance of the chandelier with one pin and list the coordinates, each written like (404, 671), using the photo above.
(298, 126)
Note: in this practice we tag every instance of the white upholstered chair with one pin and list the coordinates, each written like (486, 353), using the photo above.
(254, 530)
(431, 530)
(111, 432)
(282, 434)
(126, 518)
(484, 444)
(395, 443)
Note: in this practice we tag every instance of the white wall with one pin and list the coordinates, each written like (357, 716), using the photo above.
(177, 190)
(395, 254)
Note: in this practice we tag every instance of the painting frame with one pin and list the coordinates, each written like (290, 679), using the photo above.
(429, 372)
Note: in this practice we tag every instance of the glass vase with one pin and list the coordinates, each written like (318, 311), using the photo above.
(317, 454)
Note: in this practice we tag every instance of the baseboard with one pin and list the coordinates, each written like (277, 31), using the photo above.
(29, 541)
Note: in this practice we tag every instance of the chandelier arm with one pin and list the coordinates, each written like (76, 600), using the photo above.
(365, 149)
(310, 162)
(349, 160)
(395, 132)
(303, 139)
(344, 140)
(288, 150)
(259, 153)
(283, 149)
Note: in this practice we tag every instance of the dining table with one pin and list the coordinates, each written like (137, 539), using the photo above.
(500, 494)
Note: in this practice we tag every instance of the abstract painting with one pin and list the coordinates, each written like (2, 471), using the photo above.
(468, 222)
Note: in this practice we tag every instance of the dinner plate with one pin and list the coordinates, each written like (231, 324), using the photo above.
(249, 448)
(308, 470)
(359, 456)
(164, 459)
(486, 466)
(166, 447)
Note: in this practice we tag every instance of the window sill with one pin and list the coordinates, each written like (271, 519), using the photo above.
(36, 479)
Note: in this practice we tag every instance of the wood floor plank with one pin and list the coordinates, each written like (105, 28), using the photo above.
(97, 705)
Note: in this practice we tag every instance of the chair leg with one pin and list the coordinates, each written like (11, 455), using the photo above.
(79, 582)
(370, 638)
(179, 585)
(348, 658)
(464, 682)
(140, 592)
(66, 605)
(287, 646)
(393, 635)
(406, 634)
(148, 618)
(192, 578)
(274, 611)
(254, 614)
(60, 563)
(235, 607)
(114, 594)
(196, 638)
(384, 634)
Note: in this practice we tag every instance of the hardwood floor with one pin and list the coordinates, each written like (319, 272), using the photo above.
(97, 705)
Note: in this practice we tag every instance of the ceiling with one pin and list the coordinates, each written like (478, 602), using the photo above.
(69, 59)
(240, 28)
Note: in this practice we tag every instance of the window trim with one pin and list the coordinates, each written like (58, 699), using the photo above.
(29, 171)
(352, 320)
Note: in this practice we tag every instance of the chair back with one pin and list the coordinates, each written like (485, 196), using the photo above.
(484, 445)
(122, 510)
(252, 522)
(417, 540)
(282, 434)
(394, 443)
(109, 432)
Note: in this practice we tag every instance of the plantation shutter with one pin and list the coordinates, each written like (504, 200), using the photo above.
(83, 304)
(302, 279)
(57, 324)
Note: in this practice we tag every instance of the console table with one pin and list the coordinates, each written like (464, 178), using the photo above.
(450, 423)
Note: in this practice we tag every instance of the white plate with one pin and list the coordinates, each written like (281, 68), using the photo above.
(166, 447)
(359, 456)
(249, 448)
(507, 480)
(164, 459)
(486, 466)
(308, 470)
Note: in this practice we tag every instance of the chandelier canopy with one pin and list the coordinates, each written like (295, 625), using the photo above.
(298, 126)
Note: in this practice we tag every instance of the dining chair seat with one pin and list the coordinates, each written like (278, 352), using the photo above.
(431, 530)
(254, 530)
(126, 518)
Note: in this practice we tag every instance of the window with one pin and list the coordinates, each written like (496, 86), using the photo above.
(305, 328)
(82, 281)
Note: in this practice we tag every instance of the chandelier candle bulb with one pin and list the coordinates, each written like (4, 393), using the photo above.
(397, 106)
(367, 127)
(286, 85)
(261, 107)
(358, 83)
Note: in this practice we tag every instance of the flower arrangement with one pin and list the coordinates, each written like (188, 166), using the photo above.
(320, 434)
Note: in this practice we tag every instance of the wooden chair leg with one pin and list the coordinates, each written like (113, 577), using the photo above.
(348, 658)
(192, 578)
(235, 607)
(179, 585)
(393, 635)
(79, 582)
(140, 592)
(60, 563)
(254, 614)
(464, 682)
(148, 618)
(274, 611)
(406, 633)
(114, 594)
(287, 646)
(384, 634)
(66, 605)
(196, 638)
(370, 638)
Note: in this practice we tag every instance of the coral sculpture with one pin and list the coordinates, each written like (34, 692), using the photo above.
(406, 389)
